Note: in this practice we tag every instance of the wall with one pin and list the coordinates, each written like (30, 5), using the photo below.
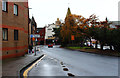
(12, 48)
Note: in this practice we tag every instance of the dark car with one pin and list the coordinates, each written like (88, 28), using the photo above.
(50, 45)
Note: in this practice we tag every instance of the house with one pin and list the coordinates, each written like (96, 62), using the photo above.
(49, 31)
(14, 29)
(32, 30)
(115, 24)
(41, 32)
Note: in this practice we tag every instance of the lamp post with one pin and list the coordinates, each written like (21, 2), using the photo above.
(35, 45)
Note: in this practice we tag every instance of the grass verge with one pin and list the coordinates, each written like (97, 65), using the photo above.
(96, 51)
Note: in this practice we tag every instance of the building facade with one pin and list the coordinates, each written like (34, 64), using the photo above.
(49, 31)
(32, 30)
(14, 29)
(115, 24)
(41, 32)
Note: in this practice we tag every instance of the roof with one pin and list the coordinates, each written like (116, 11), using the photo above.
(33, 22)
(68, 12)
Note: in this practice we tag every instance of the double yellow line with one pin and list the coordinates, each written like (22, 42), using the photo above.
(25, 73)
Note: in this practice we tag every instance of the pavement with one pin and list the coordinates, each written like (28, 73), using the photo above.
(12, 67)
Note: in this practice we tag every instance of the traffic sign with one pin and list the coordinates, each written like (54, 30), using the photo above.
(72, 37)
(33, 39)
(35, 36)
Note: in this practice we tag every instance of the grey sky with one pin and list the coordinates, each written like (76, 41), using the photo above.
(47, 11)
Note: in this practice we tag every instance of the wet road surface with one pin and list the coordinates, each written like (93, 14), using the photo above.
(77, 63)
(48, 66)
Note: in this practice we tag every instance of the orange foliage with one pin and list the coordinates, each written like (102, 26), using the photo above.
(71, 26)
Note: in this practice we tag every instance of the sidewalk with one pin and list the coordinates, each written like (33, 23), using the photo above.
(12, 67)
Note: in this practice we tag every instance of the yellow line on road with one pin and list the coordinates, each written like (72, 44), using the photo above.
(27, 70)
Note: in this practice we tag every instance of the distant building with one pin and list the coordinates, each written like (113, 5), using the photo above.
(115, 24)
(49, 31)
(41, 32)
(14, 29)
(58, 23)
(32, 29)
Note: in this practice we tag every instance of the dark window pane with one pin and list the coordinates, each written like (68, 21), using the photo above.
(15, 34)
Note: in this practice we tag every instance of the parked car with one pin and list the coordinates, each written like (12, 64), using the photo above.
(50, 45)
(88, 44)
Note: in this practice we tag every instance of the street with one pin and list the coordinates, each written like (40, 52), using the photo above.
(78, 63)
(63, 38)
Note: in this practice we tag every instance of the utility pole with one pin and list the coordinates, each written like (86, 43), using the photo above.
(35, 46)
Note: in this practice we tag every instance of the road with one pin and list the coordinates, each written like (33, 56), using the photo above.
(78, 63)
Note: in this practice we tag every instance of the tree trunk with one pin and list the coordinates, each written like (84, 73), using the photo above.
(90, 43)
(96, 44)
(111, 47)
(102, 46)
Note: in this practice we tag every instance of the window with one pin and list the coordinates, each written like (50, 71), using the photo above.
(5, 34)
(49, 36)
(49, 29)
(15, 9)
(37, 31)
(15, 34)
(4, 6)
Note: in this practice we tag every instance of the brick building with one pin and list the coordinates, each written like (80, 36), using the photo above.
(32, 29)
(41, 32)
(14, 29)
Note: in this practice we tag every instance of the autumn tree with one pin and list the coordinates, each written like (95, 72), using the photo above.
(87, 28)
(74, 25)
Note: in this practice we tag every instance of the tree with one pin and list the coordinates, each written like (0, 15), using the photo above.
(74, 25)
(57, 34)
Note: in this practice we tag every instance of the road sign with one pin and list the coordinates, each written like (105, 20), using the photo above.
(33, 39)
(31, 36)
(72, 37)
(35, 36)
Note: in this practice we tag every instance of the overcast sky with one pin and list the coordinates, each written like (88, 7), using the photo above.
(47, 11)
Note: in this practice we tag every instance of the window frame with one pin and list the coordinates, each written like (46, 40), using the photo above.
(2, 34)
(5, 9)
(49, 29)
(15, 5)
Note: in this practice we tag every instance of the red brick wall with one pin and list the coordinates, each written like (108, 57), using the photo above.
(12, 48)
(42, 33)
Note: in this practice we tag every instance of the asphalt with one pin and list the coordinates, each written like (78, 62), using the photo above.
(84, 64)
(48, 66)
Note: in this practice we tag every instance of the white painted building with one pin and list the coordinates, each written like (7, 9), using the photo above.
(49, 31)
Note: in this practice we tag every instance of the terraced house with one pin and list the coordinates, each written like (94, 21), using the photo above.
(14, 29)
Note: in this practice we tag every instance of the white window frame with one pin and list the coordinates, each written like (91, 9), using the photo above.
(4, 6)
(15, 9)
